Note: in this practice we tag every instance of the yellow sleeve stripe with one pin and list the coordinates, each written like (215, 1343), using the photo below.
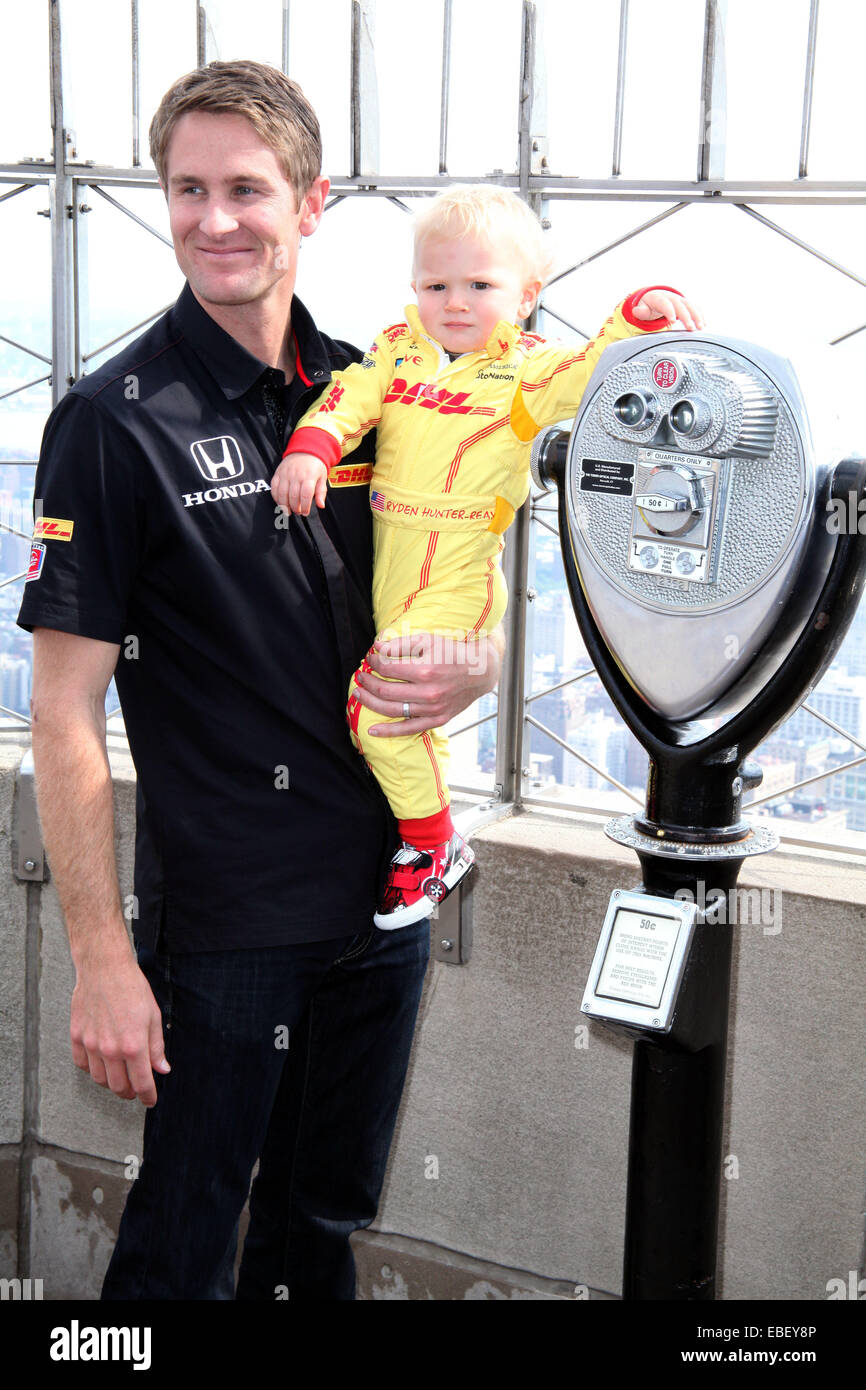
(503, 515)
(521, 421)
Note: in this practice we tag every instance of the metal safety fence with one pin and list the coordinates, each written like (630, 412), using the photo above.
(75, 186)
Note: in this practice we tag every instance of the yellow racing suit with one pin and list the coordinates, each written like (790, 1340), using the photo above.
(452, 466)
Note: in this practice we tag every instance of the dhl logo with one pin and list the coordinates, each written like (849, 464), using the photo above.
(51, 528)
(431, 397)
(354, 475)
(332, 399)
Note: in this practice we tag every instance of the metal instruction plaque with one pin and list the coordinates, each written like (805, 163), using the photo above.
(639, 960)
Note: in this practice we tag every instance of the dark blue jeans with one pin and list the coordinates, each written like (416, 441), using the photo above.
(318, 1113)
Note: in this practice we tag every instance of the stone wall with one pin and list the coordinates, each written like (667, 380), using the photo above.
(507, 1176)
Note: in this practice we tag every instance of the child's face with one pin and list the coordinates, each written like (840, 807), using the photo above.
(465, 285)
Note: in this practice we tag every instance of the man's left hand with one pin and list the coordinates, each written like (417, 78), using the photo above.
(436, 677)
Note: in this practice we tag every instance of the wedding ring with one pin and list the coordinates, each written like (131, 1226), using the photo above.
(406, 714)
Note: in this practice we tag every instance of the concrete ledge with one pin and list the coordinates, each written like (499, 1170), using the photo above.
(77, 1203)
(395, 1268)
(10, 1156)
(13, 936)
(529, 1131)
(507, 1177)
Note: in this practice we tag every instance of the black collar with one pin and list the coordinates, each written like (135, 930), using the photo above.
(233, 368)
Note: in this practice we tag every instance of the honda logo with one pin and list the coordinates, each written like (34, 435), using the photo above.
(218, 458)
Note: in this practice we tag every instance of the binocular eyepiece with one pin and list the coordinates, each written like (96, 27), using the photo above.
(694, 506)
(640, 410)
(637, 410)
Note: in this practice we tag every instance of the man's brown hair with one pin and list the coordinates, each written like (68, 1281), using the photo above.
(272, 103)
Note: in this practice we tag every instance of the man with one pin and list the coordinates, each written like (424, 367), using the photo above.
(264, 1017)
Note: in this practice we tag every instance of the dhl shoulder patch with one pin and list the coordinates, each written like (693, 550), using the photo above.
(397, 330)
(351, 475)
(52, 528)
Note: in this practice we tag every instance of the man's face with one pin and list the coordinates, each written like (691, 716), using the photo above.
(465, 285)
(234, 217)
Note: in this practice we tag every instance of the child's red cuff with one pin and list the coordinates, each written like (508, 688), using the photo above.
(645, 325)
(427, 832)
(319, 443)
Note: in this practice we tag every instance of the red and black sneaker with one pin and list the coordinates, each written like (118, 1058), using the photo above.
(419, 879)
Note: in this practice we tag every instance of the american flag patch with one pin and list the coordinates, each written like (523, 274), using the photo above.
(377, 501)
(37, 560)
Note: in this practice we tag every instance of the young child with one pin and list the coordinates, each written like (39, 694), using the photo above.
(457, 393)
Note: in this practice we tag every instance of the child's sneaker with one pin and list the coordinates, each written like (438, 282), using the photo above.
(419, 879)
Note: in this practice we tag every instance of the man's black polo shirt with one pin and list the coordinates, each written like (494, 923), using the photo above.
(258, 824)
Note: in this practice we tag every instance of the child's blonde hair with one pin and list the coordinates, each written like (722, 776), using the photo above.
(490, 212)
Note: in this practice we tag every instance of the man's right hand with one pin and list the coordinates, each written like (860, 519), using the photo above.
(116, 1029)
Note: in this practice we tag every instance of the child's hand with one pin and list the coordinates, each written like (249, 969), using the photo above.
(664, 304)
(299, 479)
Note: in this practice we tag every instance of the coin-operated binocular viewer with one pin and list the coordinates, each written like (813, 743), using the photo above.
(712, 589)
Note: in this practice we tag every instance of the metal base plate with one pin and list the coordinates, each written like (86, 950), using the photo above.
(760, 840)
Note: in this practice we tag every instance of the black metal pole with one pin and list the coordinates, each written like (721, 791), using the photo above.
(694, 797)
(675, 1133)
